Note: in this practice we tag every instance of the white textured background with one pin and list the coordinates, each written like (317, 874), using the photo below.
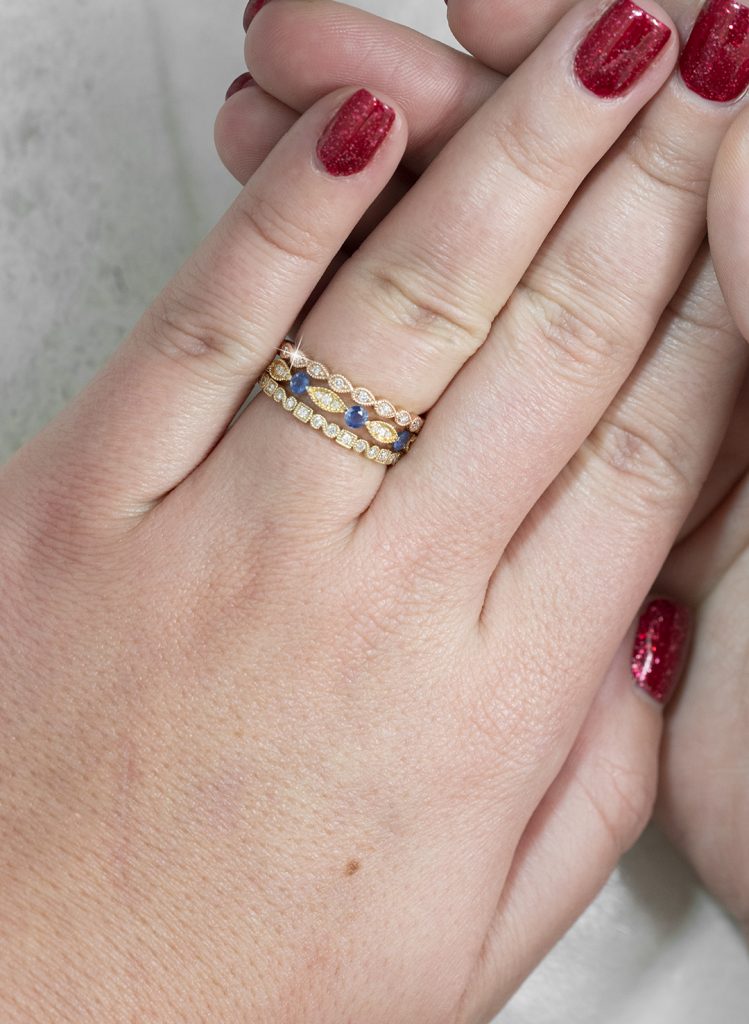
(107, 180)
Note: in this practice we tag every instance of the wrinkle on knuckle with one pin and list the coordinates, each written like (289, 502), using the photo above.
(621, 799)
(285, 238)
(666, 163)
(703, 315)
(582, 344)
(194, 333)
(648, 462)
(406, 295)
(530, 152)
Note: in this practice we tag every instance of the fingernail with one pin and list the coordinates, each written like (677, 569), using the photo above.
(240, 83)
(619, 48)
(660, 648)
(355, 134)
(715, 61)
(251, 10)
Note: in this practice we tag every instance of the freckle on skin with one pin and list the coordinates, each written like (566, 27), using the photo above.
(352, 867)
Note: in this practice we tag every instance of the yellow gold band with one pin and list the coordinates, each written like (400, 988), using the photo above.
(341, 435)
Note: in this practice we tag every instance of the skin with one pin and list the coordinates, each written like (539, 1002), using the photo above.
(705, 776)
(261, 725)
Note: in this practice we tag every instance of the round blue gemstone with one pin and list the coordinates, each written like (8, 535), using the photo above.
(402, 443)
(356, 416)
(299, 383)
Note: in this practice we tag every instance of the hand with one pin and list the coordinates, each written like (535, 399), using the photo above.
(268, 716)
(705, 783)
(701, 777)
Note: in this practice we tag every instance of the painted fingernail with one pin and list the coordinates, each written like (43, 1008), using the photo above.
(251, 10)
(240, 83)
(715, 61)
(619, 48)
(355, 134)
(660, 648)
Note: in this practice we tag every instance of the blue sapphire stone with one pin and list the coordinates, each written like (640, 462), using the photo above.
(299, 383)
(402, 443)
(356, 417)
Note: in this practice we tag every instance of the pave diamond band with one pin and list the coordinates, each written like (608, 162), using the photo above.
(338, 385)
(341, 435)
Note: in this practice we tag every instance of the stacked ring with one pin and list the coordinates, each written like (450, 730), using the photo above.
(297, 371)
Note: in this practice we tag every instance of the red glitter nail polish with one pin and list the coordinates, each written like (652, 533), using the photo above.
(660, 648)
(355, 134)
(715, 61)
(251, 10)
(619, 49)
(240, 83)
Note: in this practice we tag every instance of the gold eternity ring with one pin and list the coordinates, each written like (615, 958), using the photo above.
(292, 379)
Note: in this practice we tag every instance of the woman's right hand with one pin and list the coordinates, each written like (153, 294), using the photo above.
(708, 733)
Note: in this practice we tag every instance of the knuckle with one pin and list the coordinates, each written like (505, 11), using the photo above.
(649, 462)
(287, 238)
(699, 309)
(581, 344)
(530, 151)
(409, 296)
(666, 162)
(621, 799)
(199, 333)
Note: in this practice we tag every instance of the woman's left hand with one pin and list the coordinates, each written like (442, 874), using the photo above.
(704, 793)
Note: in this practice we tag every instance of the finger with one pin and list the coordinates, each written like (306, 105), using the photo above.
(566, 343)
(166, 398)
(251, 123)
(728, 219)
(593, 812)
(727, 471)
(248, 127)
(501, 34)
(421, 292)
(438, 88)
(611, 517)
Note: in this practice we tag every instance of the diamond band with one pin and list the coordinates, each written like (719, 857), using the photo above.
(363, 399)
(341, 435)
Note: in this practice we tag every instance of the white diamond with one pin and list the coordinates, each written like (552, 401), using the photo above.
(385, 409)
(279, 370)
(318, 371)
(317, 421)
(297, 359)
(417, 424)
(384, 456)
(290, 403)
(332, 430)
(373, 452)
(385, 433)
(339, 383)
(403, 419)
(279, 395)
(303, 412)
(361, 445)
(325, 399)
(363, 397)
(346, 439)
(272, 388)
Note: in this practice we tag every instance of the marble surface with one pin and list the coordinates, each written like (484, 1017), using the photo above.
(107, 180)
